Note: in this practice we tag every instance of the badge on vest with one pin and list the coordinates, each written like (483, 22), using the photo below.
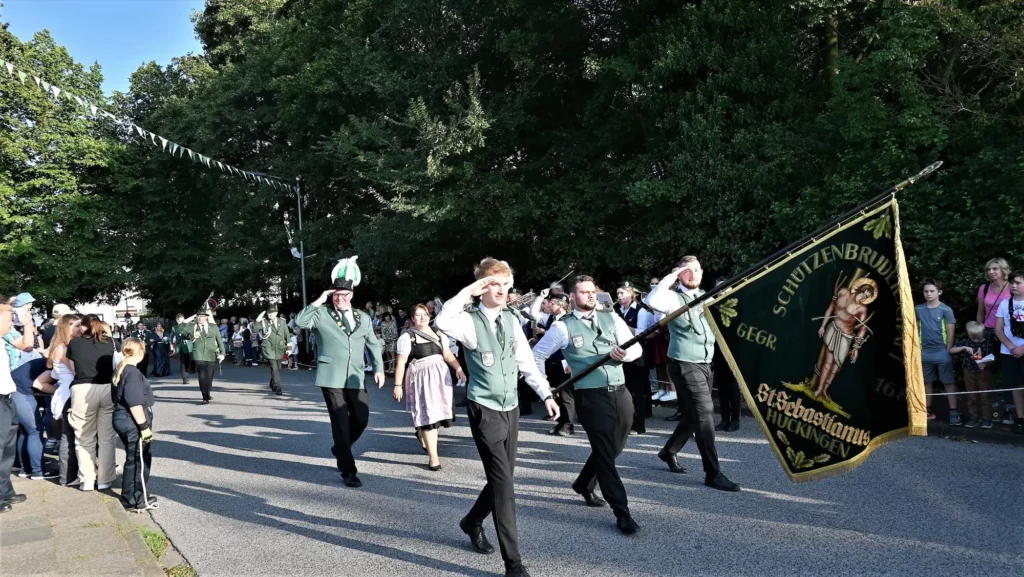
(487, 359)
(577, 341)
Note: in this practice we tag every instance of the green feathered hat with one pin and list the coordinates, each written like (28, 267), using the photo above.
(346, 274)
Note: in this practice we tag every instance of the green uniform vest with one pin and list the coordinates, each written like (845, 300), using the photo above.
(690, 336)
(587, 345)
(493, 373)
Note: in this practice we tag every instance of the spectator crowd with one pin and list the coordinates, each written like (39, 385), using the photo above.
(73, 386)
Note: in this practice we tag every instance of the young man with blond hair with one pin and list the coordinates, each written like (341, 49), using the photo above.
(496, 351)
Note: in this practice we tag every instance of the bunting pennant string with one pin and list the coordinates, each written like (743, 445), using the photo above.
(166, 145)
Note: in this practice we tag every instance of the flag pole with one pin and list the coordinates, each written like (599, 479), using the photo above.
(757, 268)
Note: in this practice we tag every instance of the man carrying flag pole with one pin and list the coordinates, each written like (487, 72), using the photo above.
(767, 318)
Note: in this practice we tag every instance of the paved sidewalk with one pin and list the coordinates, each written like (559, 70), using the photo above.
(63, 531)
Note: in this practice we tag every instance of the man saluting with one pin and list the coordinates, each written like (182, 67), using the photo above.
(342, 333)
(496, 350)
(275, 340)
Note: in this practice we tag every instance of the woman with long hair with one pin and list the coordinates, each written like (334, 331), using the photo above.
(62, 371)
(133, 420)
(161, 354)
(92, 410)
(428, 383)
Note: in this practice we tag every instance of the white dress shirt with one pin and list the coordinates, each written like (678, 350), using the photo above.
(557, 338)
(458, 324)
(7, 385)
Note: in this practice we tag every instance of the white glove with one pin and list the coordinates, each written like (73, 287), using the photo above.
(220, 358)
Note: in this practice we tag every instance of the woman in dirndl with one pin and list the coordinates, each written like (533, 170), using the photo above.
(427, 384)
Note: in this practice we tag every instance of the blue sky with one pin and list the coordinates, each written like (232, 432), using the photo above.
(119, 34)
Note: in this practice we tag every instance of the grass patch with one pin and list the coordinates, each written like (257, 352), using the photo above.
(93, 525)
(156, 540)
(181, 571)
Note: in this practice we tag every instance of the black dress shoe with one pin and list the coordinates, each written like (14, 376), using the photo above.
(436, 467)
(278, 392)
(477, 538)
(185, 382)
(732, 427)
(671, 461)
(593, 500)
(5, 507)
(517, 572)
(351, 480)
(205, 402)
(721, 483)
(15, 499)
(627, 525)
(724, 425)
(674, 417)
(569, 430)
(556, 430)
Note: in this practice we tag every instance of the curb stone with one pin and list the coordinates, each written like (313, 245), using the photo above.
(144, 558)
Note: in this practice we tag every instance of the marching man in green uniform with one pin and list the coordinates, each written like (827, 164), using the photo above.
(604, 405)
(183, 346)
(496, 351)
(342, 334)
(275, 335)
(691, 347)
(207, 348)
(148, 338)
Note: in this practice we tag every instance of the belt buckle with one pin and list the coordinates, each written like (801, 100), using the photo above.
(612, 388)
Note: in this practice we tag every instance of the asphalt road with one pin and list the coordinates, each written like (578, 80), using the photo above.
(248, 487)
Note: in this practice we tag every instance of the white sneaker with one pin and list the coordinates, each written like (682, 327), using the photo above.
(656, 397)
(86, 486)
(1008, 421)
(24, 474)
(103, 486)
(669, 397)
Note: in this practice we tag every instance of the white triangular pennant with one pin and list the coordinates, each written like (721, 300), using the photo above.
(140, 130)
(10, 68)
(191, 155)
(38, 81)
(56, 91)
(163, 144)
(93, 109)
(79, 100)
(152, 138)
(220, 165)
(174, 148)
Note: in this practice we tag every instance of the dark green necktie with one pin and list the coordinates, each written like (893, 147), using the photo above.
(344, 319)
(501, 331)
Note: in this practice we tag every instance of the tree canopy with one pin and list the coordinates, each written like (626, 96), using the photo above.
(613, 137)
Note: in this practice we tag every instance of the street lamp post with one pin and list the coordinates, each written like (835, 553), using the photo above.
(299, 189)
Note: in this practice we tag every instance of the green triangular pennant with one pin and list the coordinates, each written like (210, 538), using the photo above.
(22, 76)
(174, 148)
(46, 85)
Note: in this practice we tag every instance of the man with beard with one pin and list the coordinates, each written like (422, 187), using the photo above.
(691, 348)
(342, 333)
(496, 350)
(605, 406)
(275, 335)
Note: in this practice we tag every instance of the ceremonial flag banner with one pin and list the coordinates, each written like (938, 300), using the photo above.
(825, 346)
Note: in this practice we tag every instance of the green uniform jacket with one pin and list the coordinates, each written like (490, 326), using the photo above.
(275, 339)
(341, 363)
(147, 337)
(182, 338)
(205, 348)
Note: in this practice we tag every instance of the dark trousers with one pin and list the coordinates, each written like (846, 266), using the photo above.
(350, 412)
(68, 453)
(693, 385)
(728, 393)
(607, 415)
(496, 434)
(638, 383)
(135, 482)
(275, 374)
(8, 446)
(205, 370)
(185, 362)
(565, 399)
